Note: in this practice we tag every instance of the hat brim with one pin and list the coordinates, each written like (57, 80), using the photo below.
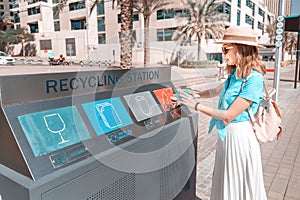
(239, 42)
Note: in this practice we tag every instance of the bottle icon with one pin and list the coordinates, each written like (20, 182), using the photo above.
(143, 105)
(109, 115)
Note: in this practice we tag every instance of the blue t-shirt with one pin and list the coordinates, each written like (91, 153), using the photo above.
(253, 90)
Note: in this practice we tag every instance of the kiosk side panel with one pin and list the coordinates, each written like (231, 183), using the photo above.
(10, 155)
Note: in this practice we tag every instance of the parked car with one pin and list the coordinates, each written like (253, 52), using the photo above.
(6, 59)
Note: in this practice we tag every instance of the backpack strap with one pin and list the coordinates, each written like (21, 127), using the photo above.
(252, 118)
(267, 94)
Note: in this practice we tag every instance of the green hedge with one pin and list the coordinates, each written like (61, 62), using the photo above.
(201, 64)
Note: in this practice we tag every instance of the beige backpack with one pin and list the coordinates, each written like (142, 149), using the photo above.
(266, 122)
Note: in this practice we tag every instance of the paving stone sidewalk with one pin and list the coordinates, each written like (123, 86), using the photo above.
(281, 159)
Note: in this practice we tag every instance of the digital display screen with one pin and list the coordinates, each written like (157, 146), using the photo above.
(142, 105)
(164, 97)
(51, 130)
(107, 115)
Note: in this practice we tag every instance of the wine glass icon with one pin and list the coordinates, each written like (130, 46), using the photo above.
(55, 124)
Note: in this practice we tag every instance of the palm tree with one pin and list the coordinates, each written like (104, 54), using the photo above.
(147, 8)
(204, 21)
(5, 20)
(270, 29)
(291, 41)
(24, 37)
(15, 36)
(126, 7)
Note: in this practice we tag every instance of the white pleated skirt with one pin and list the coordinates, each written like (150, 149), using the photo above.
(238, 169)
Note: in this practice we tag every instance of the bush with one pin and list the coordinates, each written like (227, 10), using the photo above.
(288, 63)
(201, 64)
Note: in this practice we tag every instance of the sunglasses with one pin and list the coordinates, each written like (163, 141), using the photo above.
(226, 49)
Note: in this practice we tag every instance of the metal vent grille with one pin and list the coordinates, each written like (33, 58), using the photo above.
(164, 185)
(122, 189)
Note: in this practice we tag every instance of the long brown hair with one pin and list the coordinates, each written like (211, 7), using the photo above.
(247, 59)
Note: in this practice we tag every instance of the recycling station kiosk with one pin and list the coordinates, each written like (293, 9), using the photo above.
(93, 135)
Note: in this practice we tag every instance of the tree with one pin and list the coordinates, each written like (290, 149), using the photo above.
(270, 29)
(126, 7)
(25, 37)
(5, 20)
(147, 8)
(205, 20)
(15, 36)
(291, 40)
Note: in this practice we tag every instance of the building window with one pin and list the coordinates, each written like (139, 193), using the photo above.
(34, 10)
(100, 8)
(261, 12)
(101, 38)
(34, 28)
(16, 18)
(70, 47)
(215, 56)
(15, 5)
(45, 45)
(184, 41)
(133, 36)
(101, 24)
(55, 12)
(57, 26)
(238, 18)
(225, 8)
(260, 26)
(35, 1)
(239, 3)
(269, 18)
(135, 17)
(164, 14)
(78, 24)
(165, 34)
(77, 5)
(249, 20)
(250, 4)
(55, 1)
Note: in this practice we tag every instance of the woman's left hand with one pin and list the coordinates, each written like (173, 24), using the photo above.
(187, 99)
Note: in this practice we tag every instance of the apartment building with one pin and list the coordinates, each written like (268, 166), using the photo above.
(5, 6)
(79, 34)
(273, 6)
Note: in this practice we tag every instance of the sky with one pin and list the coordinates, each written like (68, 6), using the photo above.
(295, 7)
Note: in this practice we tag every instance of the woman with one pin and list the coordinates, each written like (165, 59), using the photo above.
(238, 169)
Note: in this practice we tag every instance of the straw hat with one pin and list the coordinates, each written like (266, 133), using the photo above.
(240, 35)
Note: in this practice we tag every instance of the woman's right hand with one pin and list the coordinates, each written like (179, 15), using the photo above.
(194, 94)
